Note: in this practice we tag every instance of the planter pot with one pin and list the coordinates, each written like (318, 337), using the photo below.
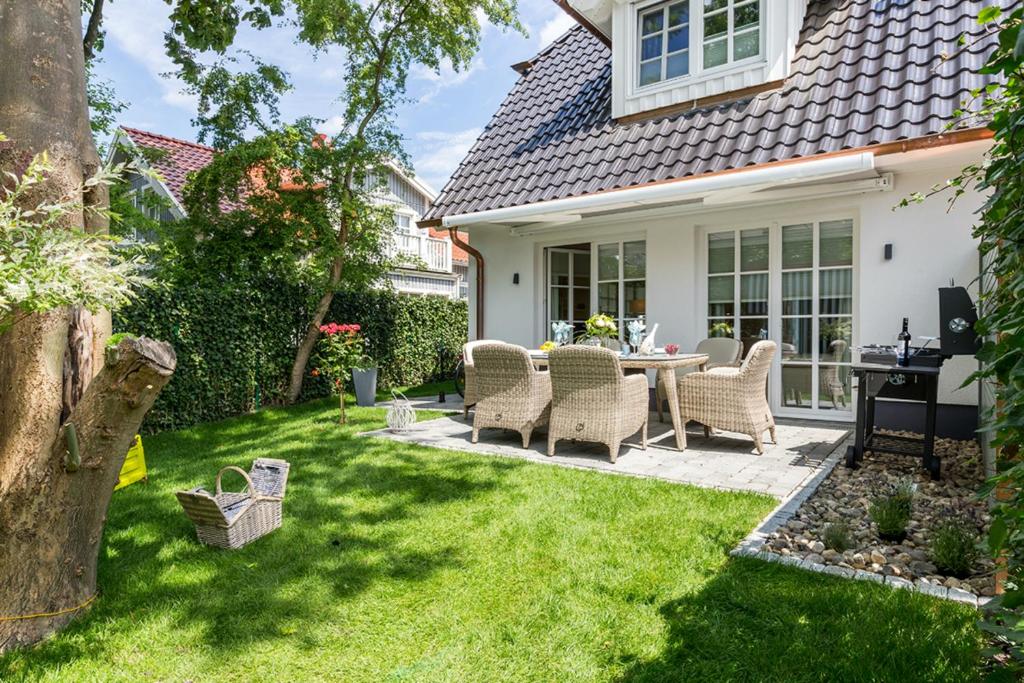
(365, 381)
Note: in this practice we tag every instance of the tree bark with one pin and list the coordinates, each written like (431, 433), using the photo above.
(55, 507)
(51, 519)
(309, 340)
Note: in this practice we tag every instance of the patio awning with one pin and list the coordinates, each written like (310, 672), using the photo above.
(791, 180)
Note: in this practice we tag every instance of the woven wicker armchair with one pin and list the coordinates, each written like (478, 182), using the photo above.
(592, 401)
(510, 392)
(722, 352)
(733, 399)
(469, 400)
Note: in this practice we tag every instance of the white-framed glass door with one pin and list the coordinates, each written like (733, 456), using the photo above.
(791, 282)
(621, 283)
(568, 280)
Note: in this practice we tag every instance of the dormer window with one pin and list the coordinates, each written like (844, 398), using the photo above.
(732, 31)
(665, 42)
(668, 53)
(728, 31)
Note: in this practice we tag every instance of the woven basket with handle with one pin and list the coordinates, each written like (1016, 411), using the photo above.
(231, 520)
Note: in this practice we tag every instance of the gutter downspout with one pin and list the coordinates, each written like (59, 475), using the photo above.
(453, 232)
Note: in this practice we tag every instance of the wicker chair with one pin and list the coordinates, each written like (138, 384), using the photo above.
(721, 352)
(592, 400)
(733, 399)
(469, 400)
(834, 377)
(510, 392)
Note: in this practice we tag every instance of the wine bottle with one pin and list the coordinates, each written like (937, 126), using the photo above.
(903, 345)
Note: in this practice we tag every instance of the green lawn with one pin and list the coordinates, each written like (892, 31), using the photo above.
(399, 563)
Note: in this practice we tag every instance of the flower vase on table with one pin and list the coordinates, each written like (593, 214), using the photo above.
(601, 331)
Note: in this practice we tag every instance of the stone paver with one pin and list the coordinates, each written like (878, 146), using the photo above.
(725, 461)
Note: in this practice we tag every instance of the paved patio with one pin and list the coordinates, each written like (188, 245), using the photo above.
(725, 461)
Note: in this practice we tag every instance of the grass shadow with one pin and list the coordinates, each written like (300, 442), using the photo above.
(348, 504)
(760, 622)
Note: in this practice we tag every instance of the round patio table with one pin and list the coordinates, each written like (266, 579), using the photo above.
(666, 367)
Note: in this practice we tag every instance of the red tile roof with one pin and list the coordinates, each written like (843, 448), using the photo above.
(181, 158)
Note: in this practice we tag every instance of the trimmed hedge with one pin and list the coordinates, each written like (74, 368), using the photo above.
(236, 342)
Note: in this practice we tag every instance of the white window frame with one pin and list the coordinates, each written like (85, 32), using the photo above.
(775, 301)
(571, 286)
(695, 47)
(406, 230)
(621, 279)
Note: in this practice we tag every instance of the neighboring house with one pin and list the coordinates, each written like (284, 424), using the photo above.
(731, 167)
(433, 265)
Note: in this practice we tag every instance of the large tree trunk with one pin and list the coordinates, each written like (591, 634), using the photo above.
(55, 506)
(51, 518)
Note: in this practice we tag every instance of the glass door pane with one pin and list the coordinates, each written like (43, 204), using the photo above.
(568, 288)
(835, 311)
(797, 348)
(753, 281)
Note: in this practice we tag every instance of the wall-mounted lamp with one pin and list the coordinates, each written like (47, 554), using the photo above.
(515, 278)
(888, 251)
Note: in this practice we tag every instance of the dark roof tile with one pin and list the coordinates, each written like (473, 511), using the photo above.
(865, 72)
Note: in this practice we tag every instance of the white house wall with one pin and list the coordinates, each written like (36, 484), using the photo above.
(931, 245)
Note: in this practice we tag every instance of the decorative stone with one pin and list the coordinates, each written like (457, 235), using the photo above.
(922, 568)
(845, 496)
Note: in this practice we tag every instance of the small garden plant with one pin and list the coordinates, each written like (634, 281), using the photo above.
(890, 511)
(836, 536)
(341, 348)
(955, 547)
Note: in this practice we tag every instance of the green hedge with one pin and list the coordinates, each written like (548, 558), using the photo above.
(236, 341)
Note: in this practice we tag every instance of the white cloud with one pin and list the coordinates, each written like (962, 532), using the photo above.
(554, 28)
(137, 28)
(333, 125)
(445, 77)
(440, 153)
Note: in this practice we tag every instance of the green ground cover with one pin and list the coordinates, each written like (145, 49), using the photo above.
(403, 563)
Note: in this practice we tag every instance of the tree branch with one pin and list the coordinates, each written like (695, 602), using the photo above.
(92, 31)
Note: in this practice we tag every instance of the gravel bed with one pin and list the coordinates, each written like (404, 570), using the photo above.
(845, 496)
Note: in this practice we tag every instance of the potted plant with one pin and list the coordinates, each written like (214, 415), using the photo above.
(601, 330)
(341, 349)
(364, 378)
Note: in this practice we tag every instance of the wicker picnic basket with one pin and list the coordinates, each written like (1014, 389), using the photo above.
(231, 520)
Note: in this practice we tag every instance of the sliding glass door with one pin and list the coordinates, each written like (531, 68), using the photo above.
(792, 283)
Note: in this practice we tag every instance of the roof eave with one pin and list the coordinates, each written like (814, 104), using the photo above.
(583, 21)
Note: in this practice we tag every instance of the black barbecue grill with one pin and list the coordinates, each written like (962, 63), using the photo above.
(878, 376)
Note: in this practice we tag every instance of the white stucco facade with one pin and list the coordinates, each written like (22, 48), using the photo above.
(932, 244)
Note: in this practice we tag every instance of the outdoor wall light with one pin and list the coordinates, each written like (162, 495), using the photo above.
(515, 278)
(888, 251)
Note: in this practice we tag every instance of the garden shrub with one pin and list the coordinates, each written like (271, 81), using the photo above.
(235, 338)
(890, 511)
(955, 547)
(837, 536)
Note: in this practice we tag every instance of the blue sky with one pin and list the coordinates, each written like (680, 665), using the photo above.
(449, 112)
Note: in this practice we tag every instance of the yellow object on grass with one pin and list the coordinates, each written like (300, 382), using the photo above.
(134, 468)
